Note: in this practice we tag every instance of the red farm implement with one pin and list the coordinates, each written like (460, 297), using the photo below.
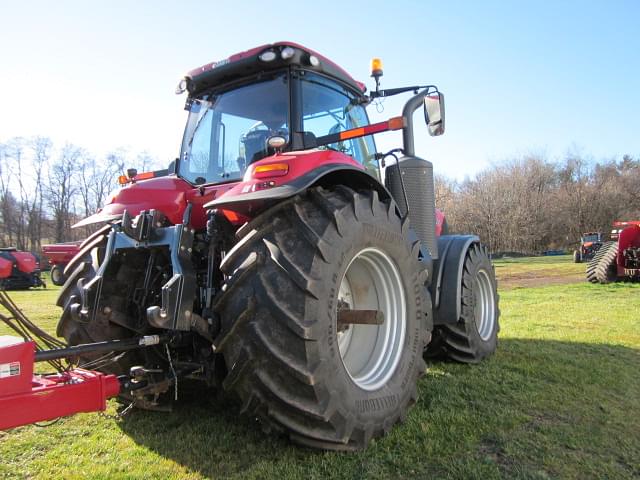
(59, 255)
(19, 270)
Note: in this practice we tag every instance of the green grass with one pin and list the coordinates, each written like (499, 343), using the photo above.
(560, 399)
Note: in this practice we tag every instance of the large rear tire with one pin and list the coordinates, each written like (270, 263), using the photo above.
(475, 335)
(602, 269)
(324, 385)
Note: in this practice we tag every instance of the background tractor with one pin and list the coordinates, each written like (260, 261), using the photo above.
(281, 257)
(590, 243)
(618, 259)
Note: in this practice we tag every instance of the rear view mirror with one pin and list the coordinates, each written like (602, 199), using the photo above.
(434, 113)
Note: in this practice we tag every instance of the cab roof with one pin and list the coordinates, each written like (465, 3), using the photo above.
(254, 61)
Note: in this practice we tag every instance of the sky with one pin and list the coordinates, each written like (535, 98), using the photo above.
(519, 77)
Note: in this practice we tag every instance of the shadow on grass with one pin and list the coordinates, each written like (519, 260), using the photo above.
(536, 407)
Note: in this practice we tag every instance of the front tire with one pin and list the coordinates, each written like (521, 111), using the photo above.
(577, 258)
(475, 335)
(57, 275)
(289, 360)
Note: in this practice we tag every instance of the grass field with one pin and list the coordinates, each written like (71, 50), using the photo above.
(560, 399)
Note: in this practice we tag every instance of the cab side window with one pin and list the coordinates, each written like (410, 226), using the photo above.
(328, 107)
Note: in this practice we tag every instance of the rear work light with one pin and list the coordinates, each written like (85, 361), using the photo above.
(268, 56)
(287, 53)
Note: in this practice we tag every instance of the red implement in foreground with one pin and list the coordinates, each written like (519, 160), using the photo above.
(27, 398)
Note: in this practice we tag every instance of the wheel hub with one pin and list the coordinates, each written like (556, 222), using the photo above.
(370, 353)
(484, 305)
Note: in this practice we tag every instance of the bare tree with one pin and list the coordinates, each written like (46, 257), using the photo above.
(41, 148)
(62, 189)
(5, 197)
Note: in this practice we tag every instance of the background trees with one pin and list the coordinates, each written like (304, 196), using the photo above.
(44, 190)
(527, 204)
(530, 205)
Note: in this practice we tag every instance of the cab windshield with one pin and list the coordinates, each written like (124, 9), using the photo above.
(228, 131)
(593, 237)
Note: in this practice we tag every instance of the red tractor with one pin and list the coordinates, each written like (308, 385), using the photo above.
(618, 259)
(19, 270)
(281, 257)
(590, 243)
(58, 255)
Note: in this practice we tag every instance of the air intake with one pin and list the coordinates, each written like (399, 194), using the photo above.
(417, 175)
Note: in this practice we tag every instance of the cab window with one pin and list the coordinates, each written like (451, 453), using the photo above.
(227, 131)
(328, 107)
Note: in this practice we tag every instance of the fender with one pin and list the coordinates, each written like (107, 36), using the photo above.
(329, 174)
(250, 204)
(446, 288)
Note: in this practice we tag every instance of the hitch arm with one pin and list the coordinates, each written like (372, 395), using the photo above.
(99, 347)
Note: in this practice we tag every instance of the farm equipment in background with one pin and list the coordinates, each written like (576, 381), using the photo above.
(282, 258)
(58, 255)
(590, 243)
(618, 259)
(19, 270)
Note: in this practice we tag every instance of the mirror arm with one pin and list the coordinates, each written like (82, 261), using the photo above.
(410, 107)
(395, 91)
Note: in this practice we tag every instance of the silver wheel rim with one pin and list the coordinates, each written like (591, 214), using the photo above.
(370, 353)
(485, 309)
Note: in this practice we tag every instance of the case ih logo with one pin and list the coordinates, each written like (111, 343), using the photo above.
(220, 63)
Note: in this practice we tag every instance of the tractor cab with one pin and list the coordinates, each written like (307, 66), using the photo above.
(592, 237)
(590, 243)
(278, 98)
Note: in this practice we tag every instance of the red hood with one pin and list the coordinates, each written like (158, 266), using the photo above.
(166, 194)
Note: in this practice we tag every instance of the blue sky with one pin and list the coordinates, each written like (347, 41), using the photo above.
(519, 77)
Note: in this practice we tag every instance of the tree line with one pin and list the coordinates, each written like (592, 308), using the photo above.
(531, 204)
(45, 189)
(527, 204)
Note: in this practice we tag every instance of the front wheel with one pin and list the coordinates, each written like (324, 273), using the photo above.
(577, 258)
(57, 275)
(474, 335)
(297, 354)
